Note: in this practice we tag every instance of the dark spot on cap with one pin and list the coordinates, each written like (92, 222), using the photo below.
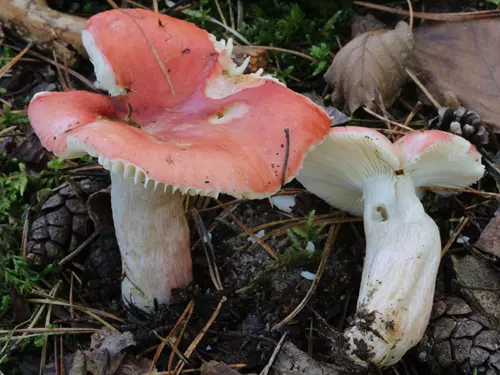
(160, 23)
(207, 182)
(187, 50)
(282, 145)
(169, 70)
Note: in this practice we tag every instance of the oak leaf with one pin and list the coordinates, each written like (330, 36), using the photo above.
(370, 70)
(462, 57)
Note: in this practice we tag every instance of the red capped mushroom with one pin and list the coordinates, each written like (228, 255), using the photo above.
(183, 119)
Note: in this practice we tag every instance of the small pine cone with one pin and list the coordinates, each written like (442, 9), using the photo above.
(63, 222)
(464, 341)
(460, 122)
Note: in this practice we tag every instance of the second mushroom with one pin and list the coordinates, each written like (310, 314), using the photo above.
(360, 171)
(182, 119)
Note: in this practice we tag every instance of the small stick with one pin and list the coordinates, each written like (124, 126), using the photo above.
(415, 79)
(453, 238)
(24, 239)
(231, 14)
(250, 233)
(266, 369)
(287, 155)
(113, 4)
(14, 61)
(332, 235)
(188, 310)
(223, 19)
(155, 6)
(239, 16)
(413, 113)
(460, 190)
(410, 9)
(79, 249)
(367, 110)
(198, 338)
(175, 347)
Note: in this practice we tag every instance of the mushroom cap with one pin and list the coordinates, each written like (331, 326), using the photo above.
(349, 157)
(197, 123)
(437, 158)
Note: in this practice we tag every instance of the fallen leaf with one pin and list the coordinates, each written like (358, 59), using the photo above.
(134, 366)
(259, 58)
(479, 282)
(217, 368)
(106, 350)
(363, 24)
(489, 241)
(370, 71)
(462, 57)
(292, 360)
(79, 366)
(31, 151)
(337, 117)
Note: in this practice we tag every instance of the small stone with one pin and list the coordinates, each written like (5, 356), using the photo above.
(442, 352)
(467, 328)
(457, 306)
(443, 328)
(53, 202)
(67, 190)
(484, 320)
(488, 339)
(461, 349)
(438, 309)
(77, 206)
(61, 235)
(494, 360)
(60, 217)
(478, 356)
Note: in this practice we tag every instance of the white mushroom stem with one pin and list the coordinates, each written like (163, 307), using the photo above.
(153, 236)
(397, 288)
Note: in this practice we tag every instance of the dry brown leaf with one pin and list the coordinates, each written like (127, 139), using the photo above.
(490, 238)
(370, 71)
(217, 368)
(462, 57)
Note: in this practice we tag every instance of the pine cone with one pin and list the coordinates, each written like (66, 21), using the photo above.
(63, 222)
(460, 122)
(464, 341)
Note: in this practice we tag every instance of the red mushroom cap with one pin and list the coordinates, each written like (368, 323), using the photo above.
(202, 125)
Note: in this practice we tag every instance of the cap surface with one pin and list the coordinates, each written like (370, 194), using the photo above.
(437, 158)
(203, 126)
(349, 157)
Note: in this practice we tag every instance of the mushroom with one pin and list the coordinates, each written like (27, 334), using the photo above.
(360, 171)
(182, 119)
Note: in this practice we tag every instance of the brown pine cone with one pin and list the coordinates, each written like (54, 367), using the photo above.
(63, 222)
(460, 122)
(464, 341)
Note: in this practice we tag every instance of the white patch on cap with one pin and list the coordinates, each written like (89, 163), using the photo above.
(103, 71)
(226, 115)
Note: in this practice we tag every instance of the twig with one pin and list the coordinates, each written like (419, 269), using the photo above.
(410, 9)
(112, 4)
(367, 110)
(266, 369)
(287, 155)
(250, 233)
(231, 14)
(223, 19)
(155, 6)
(24, 238)
(208, 248)
(14, 61)
(465, 16)
(285, 50)
(187, 312)
(78, 250)
(415, 79)
(239, 16)
(155, 53)
(200, 335)
(332, 235)
(461, 190)
(413, 113)
(453, 238)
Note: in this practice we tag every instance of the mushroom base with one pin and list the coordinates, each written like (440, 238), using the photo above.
(153, 236)
(403, 249)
